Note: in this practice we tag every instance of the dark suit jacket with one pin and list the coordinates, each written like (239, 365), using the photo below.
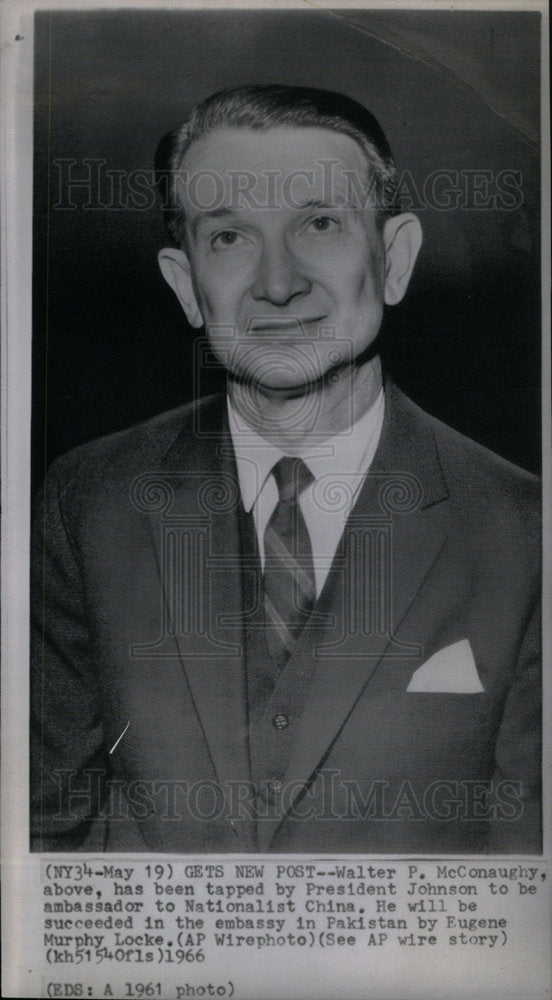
(139, 613)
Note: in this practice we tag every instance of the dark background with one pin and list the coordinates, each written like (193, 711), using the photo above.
(452, 90)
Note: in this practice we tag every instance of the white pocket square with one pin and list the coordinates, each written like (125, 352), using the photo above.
(451, 670)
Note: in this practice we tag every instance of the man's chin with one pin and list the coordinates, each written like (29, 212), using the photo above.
(295, 368)
(275, 386)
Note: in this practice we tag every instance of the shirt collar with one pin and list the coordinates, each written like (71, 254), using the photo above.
(348, 452)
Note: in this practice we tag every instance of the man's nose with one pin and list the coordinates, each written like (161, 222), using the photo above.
(279, 277)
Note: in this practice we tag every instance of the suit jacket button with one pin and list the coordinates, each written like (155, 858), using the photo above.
(280, 721)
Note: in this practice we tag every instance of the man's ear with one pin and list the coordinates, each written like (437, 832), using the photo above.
(177, 272)
(402, 237)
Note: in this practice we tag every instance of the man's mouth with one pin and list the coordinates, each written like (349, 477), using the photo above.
(277, 324)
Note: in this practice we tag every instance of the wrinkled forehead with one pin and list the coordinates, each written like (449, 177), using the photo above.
(282, 167)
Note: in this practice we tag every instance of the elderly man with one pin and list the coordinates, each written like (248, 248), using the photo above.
(301, 616)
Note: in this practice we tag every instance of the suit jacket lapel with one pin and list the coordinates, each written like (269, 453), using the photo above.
(395, 513)
(198, 546)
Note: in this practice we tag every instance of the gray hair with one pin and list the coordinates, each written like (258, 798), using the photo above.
(264, 107)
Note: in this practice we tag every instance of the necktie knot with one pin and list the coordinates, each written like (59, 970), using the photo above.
(292, 477)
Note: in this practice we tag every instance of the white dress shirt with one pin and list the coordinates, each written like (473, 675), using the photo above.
(338, 466)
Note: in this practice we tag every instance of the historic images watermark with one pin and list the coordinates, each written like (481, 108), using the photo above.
(91, 184)
(334, 798)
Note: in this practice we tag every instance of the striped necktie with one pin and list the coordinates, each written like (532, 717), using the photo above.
(289, 582)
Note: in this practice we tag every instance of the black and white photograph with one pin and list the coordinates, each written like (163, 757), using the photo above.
(276, 479)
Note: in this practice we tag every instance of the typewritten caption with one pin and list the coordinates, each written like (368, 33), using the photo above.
(178, 929)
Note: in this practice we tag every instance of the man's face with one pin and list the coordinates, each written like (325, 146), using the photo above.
(288, 273)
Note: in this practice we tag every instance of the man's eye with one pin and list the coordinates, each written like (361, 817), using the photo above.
(323, 223)
(226, 239)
